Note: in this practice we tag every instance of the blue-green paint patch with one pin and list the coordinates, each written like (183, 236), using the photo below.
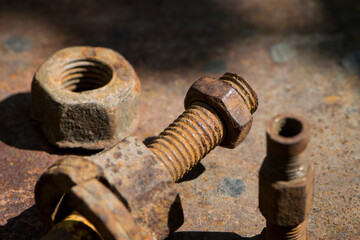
(17, 44)
(282, 52)
(231, 187)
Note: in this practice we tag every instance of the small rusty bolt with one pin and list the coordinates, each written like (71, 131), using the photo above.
(286, 178)
(126, 191)
(86, 97)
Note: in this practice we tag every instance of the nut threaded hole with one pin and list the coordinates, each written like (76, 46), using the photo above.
(85, 75)
(288, 127)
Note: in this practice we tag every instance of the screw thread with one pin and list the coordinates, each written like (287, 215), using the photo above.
(243, 88)
(287, 137)
(188, 139)
(275, 232)
(286, 168)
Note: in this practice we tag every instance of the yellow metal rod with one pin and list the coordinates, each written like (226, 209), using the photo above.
(73, 227)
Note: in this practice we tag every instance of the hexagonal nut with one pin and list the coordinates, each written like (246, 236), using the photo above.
(143, 183)
(86, 97)
(103, 208)
(231, 99)
(286, 203)
(59, 179)
(72, 184)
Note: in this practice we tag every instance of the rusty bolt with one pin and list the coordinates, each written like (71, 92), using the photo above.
(218, 111)
(86, 97)
(286, 178)
(141, 178)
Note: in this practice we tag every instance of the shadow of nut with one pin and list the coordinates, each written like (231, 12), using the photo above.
(286, 203)
(228, 102)
(86, 97)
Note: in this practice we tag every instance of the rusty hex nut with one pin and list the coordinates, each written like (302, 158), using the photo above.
(86, 97)
(234, 100)
(286, 203)
(72, 184)
(57, 180)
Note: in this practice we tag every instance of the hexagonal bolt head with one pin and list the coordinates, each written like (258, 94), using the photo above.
(286, 203)
(86, 97)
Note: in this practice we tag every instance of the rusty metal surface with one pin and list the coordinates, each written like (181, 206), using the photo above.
(299, 57)
(142, 183)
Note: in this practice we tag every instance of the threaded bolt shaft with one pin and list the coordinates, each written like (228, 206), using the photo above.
(275, 232)
(243, 88)
(287, 137)
(197, 131)
(188, 139)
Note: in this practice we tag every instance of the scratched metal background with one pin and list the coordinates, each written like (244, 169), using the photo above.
(300, 56)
